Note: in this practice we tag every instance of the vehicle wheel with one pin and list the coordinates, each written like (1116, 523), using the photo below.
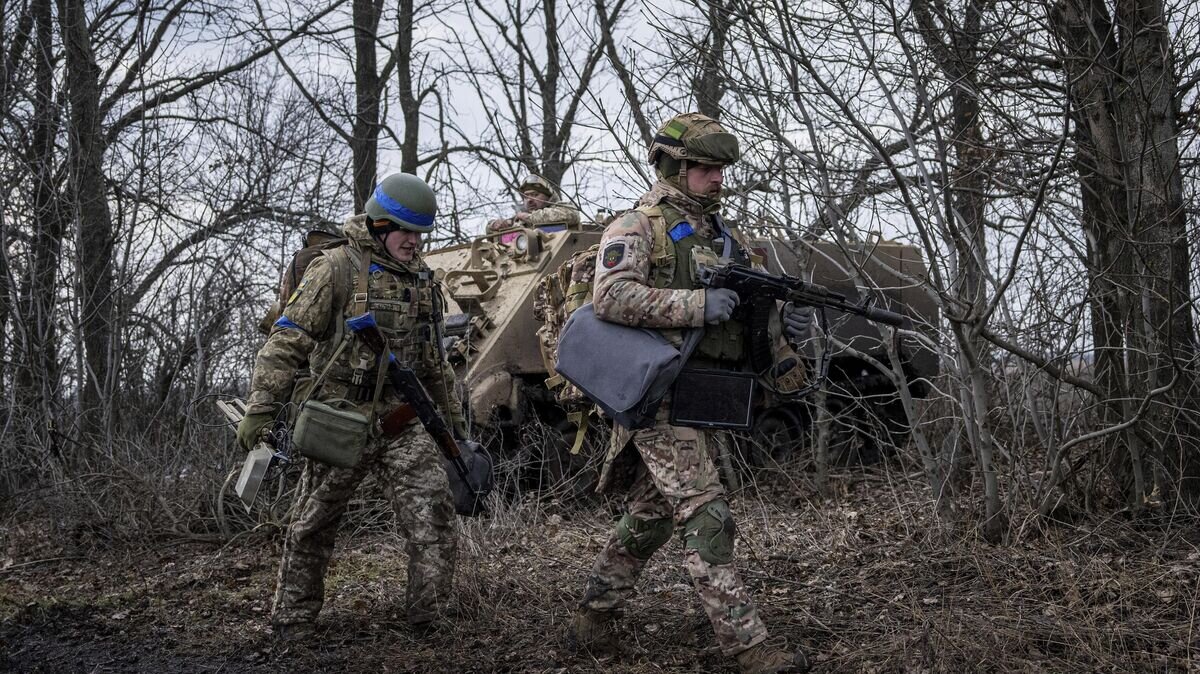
(855, 438)
(773, 441)
(568, 475)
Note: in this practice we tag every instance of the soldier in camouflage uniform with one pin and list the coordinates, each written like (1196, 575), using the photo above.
(538, 210)
(310, 353)
(645, 278)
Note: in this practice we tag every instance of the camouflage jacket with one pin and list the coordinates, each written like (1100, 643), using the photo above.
(307, 339)
(624, 291)
(553, 214)
(547, 216)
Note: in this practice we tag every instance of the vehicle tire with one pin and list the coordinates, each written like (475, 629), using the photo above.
(567, 475)
(773, 441)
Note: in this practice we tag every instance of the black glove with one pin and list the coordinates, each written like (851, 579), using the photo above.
(796, 321)
(719, 304)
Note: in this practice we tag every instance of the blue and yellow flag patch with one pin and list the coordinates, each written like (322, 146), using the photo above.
(296, 293)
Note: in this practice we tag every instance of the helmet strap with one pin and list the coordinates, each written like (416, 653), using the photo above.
(709, 204)
(379, 233)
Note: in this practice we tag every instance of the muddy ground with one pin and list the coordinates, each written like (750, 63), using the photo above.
(862, 580)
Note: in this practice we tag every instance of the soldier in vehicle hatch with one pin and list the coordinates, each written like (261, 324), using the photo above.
(538, 210)
(379, 269)
(645, 277)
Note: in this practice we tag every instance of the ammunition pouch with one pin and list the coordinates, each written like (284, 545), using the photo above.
(710, 398)
(330, 435)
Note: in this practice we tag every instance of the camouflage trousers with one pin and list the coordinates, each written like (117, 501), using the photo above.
(414, 481)
(678, 476)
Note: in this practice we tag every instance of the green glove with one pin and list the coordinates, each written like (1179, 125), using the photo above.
(251, 426)
(458, 424)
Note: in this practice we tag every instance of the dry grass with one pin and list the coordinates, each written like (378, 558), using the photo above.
(865, 581)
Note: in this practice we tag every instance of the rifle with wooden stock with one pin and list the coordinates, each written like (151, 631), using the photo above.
(474, 482)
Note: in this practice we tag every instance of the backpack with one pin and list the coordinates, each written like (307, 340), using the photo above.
(316, 243)
(560, 294)
(556, 298)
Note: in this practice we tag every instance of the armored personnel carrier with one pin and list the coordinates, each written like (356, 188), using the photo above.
(492, 336)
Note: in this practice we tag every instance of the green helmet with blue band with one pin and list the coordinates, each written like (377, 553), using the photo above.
(401, 201)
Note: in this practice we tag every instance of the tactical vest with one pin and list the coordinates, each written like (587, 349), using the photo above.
(404, 307)
(674, 243)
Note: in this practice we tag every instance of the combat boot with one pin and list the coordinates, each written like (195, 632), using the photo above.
(764, 658)
(593, 631)
(294, 632)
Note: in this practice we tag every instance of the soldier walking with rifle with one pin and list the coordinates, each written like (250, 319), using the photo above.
(648, 276)
(340, 376)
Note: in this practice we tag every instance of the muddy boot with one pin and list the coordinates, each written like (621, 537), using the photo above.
(764, 658)
(294, 632)
(593, 631)
(422, 626)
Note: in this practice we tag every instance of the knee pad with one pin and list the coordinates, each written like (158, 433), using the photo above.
(642, 537)
(711, 532)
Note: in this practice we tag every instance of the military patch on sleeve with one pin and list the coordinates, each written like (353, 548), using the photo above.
(296, 293)
(613, 254)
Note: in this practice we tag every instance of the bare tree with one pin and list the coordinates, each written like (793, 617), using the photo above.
(1122, 85)
(954, 44)
(532, 104)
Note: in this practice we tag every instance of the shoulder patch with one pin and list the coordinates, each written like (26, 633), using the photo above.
(299, 289)
(613, 254)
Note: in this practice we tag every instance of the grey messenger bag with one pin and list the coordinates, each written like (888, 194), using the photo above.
(626, 371)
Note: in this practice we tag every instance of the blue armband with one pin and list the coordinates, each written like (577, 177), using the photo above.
(286, 323)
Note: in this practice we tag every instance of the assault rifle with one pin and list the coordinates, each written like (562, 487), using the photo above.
(753, 284)
(476, 479)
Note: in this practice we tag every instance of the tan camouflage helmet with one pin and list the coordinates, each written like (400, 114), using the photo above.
(538, 184)
(694, 137)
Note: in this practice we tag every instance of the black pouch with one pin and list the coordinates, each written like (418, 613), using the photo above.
(713, 399)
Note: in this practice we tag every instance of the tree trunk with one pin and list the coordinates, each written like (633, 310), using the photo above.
(955, 49)
(410, 106)
(364, 141)
(553, 164)
(37, 378)
(708, 86)
(88, 197)
(1146, 96)
(1122, 85)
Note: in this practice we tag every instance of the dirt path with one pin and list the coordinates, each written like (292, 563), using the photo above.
(861, 583)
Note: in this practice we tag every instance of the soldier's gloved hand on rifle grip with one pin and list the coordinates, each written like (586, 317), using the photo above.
(458, 425)
(251, 426)
(796, 321)
(719, 304)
